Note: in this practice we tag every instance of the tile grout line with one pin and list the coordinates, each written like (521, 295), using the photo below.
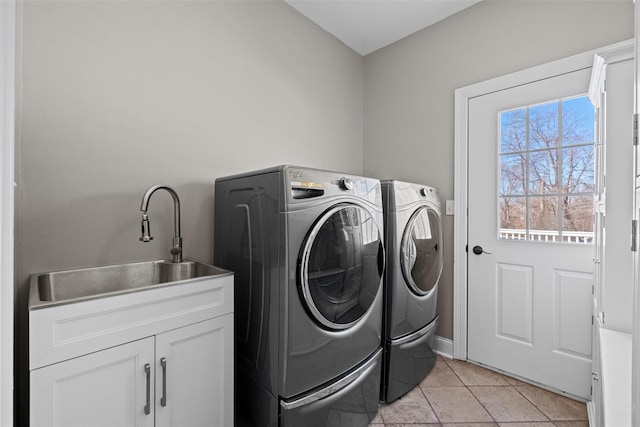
(429, 403)
(472, 394)
(548, 418)
(535, 406)
(540, 409)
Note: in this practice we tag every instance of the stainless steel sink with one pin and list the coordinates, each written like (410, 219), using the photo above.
(63, 287)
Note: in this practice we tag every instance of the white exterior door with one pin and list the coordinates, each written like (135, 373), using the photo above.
(529, 299)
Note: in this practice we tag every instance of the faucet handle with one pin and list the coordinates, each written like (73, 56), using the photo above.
(176, 250)
(146, 231)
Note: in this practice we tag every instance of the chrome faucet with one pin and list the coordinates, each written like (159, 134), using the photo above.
(176, 250)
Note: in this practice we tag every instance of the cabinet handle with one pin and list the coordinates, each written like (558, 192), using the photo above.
(163, 399)
(147, 371)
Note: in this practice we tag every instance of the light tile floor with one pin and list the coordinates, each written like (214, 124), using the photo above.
(457, 394)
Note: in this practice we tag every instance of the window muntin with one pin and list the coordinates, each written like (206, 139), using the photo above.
(546, 177)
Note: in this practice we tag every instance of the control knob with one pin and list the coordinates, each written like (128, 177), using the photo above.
(424, 192)
(346, 183)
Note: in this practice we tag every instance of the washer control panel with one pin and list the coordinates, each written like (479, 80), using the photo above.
(302, 183)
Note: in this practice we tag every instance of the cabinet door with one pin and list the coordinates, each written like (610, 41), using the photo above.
(194, 374)
(106, 388)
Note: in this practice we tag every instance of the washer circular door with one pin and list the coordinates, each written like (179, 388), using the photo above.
(421, 251)
(341, 264)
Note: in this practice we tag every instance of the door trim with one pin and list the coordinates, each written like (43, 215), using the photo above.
(7, 120)
(461, 138)
(635, 350)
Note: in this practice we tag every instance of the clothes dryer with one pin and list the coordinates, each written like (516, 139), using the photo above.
(413, 240)
(306, 247)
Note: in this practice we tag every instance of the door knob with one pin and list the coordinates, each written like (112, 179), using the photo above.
(478, 250)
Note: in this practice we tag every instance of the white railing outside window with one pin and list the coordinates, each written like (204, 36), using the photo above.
(546, 235)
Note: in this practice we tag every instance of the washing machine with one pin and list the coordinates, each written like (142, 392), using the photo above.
(306, 247)
(413, 241)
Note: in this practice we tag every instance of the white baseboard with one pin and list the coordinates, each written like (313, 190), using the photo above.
(444, 347)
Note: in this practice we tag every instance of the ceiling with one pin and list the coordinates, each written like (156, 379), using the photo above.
(368, 25)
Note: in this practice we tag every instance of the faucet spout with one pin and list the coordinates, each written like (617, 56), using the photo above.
(176, 250)
(146, 230)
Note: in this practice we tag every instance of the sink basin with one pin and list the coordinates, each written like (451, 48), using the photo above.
(63, 287)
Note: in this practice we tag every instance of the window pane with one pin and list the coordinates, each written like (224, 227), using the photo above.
(512, 174)
(577, 213)
(578, 121)
(577, 169)
(543, 218)
(543, 170)
(513, 221)
(513, 131)
(543, 126)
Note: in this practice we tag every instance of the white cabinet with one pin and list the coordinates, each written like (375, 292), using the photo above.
(162, 357)
(183, 377)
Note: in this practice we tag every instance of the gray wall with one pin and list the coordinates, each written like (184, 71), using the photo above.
(409, 86)
(119, 95)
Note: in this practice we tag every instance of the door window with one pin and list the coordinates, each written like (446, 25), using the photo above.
(341, 266)
(546, 179)
(421, 253)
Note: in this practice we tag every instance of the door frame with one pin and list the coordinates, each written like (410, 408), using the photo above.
(635, 339)
(461, 138)
(7, 144)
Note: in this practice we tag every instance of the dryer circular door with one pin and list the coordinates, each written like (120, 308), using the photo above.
(341, 265)
(421, 251)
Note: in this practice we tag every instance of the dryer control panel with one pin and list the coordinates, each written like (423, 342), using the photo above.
(408, 193)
